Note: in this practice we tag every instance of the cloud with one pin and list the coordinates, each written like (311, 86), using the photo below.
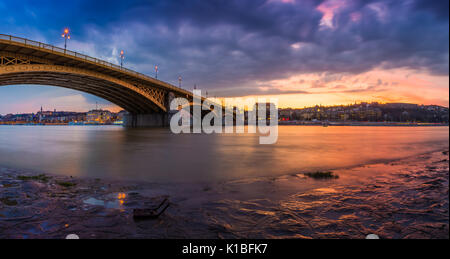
(260, 91)
(231, 47)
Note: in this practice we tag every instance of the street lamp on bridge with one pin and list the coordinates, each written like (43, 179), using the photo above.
(179, 81)
(122, 56)
(66, 37)
(156, 72)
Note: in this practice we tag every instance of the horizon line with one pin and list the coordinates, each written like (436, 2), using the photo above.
(320, 105)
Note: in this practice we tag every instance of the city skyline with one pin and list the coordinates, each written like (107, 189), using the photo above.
(309, 52)
(116, 109)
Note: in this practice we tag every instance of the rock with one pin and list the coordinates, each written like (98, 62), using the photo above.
(372, 236)
(72, 236)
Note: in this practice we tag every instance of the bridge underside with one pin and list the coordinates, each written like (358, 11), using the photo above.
(121, 96)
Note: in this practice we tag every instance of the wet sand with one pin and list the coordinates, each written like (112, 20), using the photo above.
(407, 198)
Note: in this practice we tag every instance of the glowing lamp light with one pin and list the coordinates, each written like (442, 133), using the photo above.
(122, 57)
(66, 33)
(66, 37)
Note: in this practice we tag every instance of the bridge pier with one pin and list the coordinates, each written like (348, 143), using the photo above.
(146, 120)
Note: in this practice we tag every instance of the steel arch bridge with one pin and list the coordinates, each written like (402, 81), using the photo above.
(24, 61)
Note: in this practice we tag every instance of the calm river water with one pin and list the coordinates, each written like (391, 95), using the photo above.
(157, 155)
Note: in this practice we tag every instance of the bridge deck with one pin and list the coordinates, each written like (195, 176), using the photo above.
(59, 56)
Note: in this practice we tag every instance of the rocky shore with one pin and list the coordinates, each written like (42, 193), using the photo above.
(407, 198)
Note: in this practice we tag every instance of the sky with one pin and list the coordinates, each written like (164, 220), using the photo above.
(303, 52)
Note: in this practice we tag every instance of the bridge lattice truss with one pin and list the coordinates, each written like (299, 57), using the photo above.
(10, 60)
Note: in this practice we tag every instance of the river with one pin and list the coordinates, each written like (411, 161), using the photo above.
(157, 155)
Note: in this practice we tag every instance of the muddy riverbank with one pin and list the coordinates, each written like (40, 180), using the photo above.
(406, 198)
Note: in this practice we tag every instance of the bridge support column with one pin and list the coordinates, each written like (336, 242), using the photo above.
(146, 120)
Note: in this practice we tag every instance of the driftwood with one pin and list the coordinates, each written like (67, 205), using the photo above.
(151, 213)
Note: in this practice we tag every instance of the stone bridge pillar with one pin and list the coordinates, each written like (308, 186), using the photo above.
(157, 119)
(151, 120)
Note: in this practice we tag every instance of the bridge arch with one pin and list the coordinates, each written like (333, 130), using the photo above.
(132, 98)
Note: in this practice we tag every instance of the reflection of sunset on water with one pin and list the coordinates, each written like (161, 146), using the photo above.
(121, 197)
(112, 152)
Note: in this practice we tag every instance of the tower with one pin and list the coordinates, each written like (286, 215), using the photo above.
(40, 115)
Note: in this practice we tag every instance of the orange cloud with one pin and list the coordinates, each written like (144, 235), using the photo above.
(398, 85)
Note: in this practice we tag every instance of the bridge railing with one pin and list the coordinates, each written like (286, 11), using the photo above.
(78, 55)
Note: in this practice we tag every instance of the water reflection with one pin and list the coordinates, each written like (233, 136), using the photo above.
(159, 155)
(121, 198)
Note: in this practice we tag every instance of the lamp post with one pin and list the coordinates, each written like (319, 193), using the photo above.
(179, 81)
(66, 37)
(156, 72)
(122, 56)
